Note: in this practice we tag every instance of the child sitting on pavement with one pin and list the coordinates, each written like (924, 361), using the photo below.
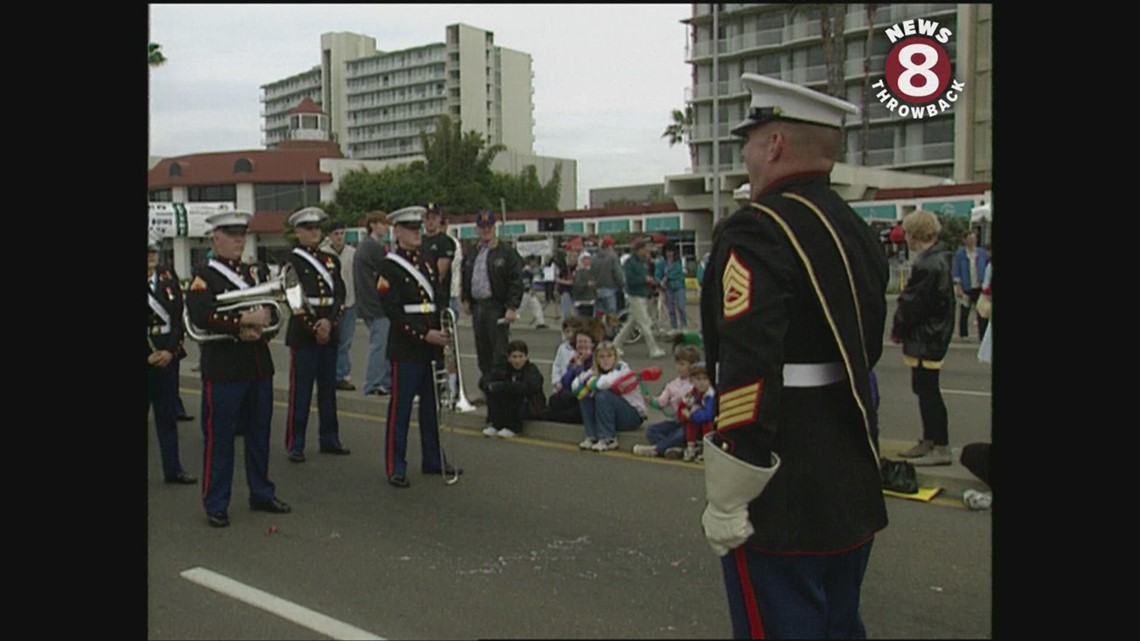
(565, 352)
(514, 393)
(698, 412)
(610, 399)
(667, 438)
(564, 406)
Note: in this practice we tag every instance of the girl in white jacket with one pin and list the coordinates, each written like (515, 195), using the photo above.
(610, 398)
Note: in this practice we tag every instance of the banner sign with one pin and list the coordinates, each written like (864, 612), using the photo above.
(184, 219)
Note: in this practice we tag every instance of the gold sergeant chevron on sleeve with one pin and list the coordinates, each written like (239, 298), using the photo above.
(738, 406)
(737, 285)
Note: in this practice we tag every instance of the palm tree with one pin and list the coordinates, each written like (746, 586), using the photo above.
(154, 55)
(680, 130)
(832, 24)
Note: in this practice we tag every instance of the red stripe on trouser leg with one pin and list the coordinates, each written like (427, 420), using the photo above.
(209, 454)
(292, 399)
(390, 447)
(755, 626)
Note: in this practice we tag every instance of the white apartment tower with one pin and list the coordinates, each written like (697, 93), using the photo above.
(379, 102)
(784, 41)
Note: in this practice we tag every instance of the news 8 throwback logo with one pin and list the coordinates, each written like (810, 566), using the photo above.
(917, 82)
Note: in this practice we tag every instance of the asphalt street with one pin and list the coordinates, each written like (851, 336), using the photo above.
(537, 540)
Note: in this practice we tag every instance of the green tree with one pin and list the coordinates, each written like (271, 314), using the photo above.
(154, 55)
(681, 131)
(460, 165)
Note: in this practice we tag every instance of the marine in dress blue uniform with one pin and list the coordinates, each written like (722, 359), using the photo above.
(409, 290)
(313, 337)
(237, 373)
(793, 310)
(164, 350)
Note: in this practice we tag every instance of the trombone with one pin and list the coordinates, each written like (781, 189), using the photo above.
(459, 404)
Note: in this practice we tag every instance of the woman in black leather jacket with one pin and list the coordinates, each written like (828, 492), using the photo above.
(924, 324)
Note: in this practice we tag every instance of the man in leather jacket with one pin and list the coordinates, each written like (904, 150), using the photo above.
(924, 323)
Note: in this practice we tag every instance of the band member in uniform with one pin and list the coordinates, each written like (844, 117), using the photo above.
(409, 289)
(164, 349)
(793, 310)
(237, 373)
(313, 339)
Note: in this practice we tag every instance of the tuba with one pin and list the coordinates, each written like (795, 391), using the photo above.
(285, 290)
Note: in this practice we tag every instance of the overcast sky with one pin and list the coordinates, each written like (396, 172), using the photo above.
(606, 77)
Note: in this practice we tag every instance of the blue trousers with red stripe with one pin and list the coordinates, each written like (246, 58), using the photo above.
(306, 366)
(162, 394)
(795, 596)
(230, 408)
(408, 380)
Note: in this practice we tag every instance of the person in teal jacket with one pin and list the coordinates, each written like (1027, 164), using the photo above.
(670, 276)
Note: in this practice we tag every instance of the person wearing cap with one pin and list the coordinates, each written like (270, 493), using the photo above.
(237, 372)
(492, 293)
(365, 270)
(165, 335)
(409, 286)
(608, 278)
(313, 338)
(793, 312)
(336, 246)
(441, 250)
(639, 282)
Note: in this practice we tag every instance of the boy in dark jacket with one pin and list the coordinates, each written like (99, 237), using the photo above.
(924, 323)
(514, 393)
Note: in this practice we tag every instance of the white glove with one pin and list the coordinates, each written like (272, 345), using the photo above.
(730, 485)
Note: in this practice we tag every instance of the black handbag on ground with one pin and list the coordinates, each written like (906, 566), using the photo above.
(898, 476)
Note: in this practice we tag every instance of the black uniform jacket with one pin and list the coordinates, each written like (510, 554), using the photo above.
(323, 299)
(504, 267)
(924, 318)
(165, 292)
(441, 246)
(228, 360)
(412, 308)
(779, 291)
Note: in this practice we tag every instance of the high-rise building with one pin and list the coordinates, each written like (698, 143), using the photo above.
(379, 102)
(785, 41)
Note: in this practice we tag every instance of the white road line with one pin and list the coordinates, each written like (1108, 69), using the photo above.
(275, 605)
(965, 392)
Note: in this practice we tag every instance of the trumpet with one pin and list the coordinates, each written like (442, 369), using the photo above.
(443, 398)
(282, 292)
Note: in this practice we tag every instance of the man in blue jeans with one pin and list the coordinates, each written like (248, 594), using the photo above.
(608, 276)
(347, 255)
(366, 272)
(969, 268)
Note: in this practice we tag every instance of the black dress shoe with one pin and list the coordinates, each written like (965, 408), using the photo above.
(297, 457)
(185, 417)
(218, 519)
(345, 385)
(182, 479)
(335, 449)
(399, 480)
(451, 471)
(273, 505)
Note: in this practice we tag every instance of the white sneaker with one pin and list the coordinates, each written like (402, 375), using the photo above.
(490, 431)
(506, 433)
(588, 444)
(606, 445)
(657, 353)
(976, 500)
(645, 450)
(690, 451)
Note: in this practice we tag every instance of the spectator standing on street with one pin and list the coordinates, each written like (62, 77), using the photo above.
(584, 291)
(670, 276)
(638, 282)
(366, 272)
(924, 323)
(492, 292)
(549, 280)
(607, 276)
(532, 289)
(969, 269)
(346, 253)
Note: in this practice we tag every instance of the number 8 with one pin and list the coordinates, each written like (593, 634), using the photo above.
(906, 59)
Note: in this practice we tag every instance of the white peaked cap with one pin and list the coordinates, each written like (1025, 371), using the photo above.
(774, 99)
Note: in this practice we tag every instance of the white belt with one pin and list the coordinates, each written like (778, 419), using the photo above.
(320, 302)
(422, 308)
(813, 374)
(160, 331)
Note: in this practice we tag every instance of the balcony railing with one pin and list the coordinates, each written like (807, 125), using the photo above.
(911, 155)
